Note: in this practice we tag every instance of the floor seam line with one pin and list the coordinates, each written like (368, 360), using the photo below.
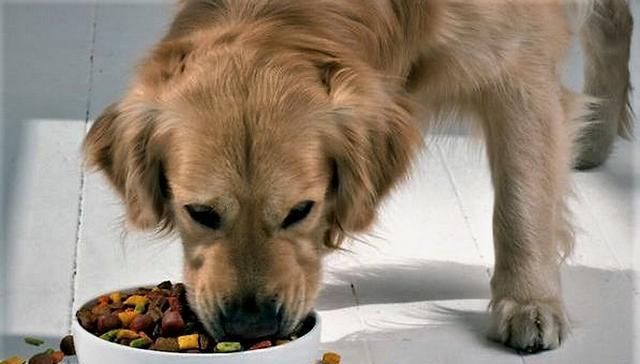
(462, 209)
(79, 224)
(365, 342)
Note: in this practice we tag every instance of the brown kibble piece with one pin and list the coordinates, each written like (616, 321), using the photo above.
(142, 323)
(86, 319)
(67, 346)
(42, 358)
(172, 324)
(261, 345)
(154, 312)
(108, 322)
(166, 344)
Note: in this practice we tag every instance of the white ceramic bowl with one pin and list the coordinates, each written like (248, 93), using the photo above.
(91, 349)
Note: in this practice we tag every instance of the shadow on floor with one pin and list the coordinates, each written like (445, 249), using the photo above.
(600, 305)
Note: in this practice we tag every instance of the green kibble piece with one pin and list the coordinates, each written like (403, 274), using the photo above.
(141, 342)
(110, 335)
(140, 308)
(228, 347)
(33, 341)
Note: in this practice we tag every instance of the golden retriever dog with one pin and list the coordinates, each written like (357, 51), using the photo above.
(265, 131)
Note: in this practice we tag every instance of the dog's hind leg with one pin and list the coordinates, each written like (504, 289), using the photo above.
(606, 39)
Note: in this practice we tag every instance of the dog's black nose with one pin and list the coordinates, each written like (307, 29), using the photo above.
(251, 318)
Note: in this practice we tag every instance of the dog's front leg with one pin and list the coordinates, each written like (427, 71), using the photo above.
(529, 149)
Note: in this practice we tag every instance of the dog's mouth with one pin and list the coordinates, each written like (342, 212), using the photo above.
(256, 332)
(223, 325)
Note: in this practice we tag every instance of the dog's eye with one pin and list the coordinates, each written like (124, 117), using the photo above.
(298, 213)
(204, 215)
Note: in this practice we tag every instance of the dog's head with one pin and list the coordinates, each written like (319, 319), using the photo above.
(261, 164)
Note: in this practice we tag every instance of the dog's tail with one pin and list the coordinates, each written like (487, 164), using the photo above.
(605, 32)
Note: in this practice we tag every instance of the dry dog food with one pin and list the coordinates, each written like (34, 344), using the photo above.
(49, 356)
(156, 319)
(331, 358)
(160, 319)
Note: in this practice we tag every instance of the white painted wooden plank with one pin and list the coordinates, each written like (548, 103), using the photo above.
(591, 249)
(467, 166)
(338, 307)
(124, 33)
(350, 351)
(601, 306)
(109, 257)
(421, 219)
(38, 258)
(44, 94)
(606, 195)
(437, 331)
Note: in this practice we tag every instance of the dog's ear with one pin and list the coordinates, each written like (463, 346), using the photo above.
(371, 142)
(127, 145)
(127, 140)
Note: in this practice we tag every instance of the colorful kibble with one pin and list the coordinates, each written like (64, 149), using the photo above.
(116, 297)
(42, 358)
(57, 356)
(136, 300)
(126, 317)
(13, 360)
(331, 358)
(67, 346)
(261, 345)
(33, 341)
(142, 323)
(187, 342)
(157, 319)
(172, 324)
(228, 347)
(110, 335)
(141, 342)
(127, 334)
(108, 322)
(103, 301)
(140, 308)
(166, 344)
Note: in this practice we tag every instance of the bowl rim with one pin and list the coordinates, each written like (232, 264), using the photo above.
(77, 328)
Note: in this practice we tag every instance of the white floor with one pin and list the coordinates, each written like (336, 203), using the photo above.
(415, 292)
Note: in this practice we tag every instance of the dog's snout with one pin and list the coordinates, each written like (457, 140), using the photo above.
(251, 318)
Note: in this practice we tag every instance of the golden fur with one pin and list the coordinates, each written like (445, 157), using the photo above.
(252, 106)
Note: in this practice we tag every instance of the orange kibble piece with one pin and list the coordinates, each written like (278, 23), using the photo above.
(57, 356)
(331, 358)
(103, 301)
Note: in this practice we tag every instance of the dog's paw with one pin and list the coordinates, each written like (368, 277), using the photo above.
(531, 326)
